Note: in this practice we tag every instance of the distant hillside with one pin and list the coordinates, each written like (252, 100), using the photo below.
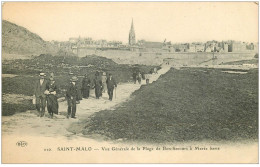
(19, 40)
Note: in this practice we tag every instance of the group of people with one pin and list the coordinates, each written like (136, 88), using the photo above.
(138, 76)
(46, 91)
(100, 84)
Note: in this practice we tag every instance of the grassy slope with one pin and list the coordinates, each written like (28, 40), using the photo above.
(28, 71)
(18, 40)
(22, 84)
(186, 105)
(10, 109)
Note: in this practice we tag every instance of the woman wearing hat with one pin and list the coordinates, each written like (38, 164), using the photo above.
(52, 100)
(86, 86)
(71, 95)
(98, 86)
(104, 84)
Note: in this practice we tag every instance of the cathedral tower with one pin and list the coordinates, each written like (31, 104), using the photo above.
(131, 40)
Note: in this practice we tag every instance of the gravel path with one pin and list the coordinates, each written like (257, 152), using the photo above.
(28, 123)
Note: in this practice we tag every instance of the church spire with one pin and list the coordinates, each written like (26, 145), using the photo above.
(132, 25)
(131, 39)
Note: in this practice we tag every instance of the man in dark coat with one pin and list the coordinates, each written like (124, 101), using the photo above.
(98, 86)
(134, 77)
(111, 83)
(139, 77)
(39, 92)
(72, 97)
(86, 86)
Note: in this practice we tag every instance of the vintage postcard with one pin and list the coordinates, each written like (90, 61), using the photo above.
(130, 82)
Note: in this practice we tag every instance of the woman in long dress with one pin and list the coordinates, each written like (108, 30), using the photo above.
(104, 84)
(98, 86)
(52, 100)
(86, 86)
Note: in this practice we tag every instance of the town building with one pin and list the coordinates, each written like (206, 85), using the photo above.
(91, 46)
(167, 47)
(181, 47)
(199, 48)
(237, 47)
(192, 48)
(225, 47)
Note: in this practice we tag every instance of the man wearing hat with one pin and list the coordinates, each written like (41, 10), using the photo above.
(97, 85)
(40, 88)
(85, 86)
(111, 84)
(71, 95)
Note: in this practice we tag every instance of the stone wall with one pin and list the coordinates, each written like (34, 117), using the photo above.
(179, 58)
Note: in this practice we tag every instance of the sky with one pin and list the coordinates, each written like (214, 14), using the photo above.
(153, 21)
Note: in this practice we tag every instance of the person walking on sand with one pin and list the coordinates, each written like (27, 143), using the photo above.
(155, 70)
(98, 86)
(111, 84)
(147, 78)
(72, 95)
(134, 77)
(40, 88)
(52, 100)
(86, 86)
(104, 84)
(139, 77)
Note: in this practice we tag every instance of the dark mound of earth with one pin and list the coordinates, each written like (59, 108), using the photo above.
(185, 105)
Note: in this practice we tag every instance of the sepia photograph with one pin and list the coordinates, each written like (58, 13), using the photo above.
(130, 82)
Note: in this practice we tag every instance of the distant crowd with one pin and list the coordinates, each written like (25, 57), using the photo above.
(46, 90)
